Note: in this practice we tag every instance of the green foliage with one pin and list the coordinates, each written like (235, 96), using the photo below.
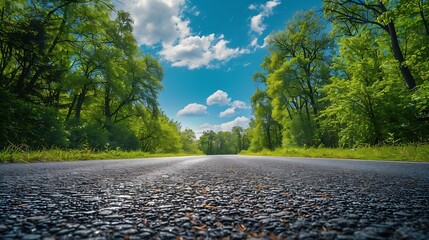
(95, 137)
(160, 135)
(73, 76)
(296, 71)
(240, 139)
(265, 131)
(367, 102)
(188, 140)
(224, 142)
(121, 137)
(207, 142)
(354, 94)
(404, 27)
(29, 124)
(301, 131)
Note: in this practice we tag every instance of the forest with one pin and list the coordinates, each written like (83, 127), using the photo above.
(72, 76)
(358, 75)
(354, 74)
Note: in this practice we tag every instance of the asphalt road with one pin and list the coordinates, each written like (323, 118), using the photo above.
(209, 197)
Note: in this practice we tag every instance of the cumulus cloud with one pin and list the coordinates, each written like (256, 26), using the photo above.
(208, 127)
(228, 112)
(219, 97)
(236, 106)
(157, 20)
(266, 10)
(193, 109)
(239, 121)
(225, 127)
(255, 45)
(199, 51)
(256, 22)
(164, 22)
(239, 104)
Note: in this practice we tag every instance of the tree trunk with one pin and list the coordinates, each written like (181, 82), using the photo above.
(397, 53)
(107, 113)
(268, 136)
(80, 101)
(71, 107)
(422, 15)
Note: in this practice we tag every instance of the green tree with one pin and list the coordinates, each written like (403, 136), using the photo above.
(82, 70)
(367, 102)
(207, 142)
(37, 47)
(349, 15)
(160, 135)
(188, 140)
(224, 143)
(240, 138)
(266, 132)
(379, 40)
(298, 68)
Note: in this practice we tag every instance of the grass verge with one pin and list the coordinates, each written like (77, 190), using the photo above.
(57, 155)
(411, 152)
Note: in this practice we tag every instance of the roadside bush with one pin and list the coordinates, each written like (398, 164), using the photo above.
(24, 123)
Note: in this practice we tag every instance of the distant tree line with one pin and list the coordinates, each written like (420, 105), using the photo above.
(362, 80)
(224, 142)
(72, 76)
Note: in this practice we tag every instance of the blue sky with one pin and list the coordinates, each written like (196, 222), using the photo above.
(209, 50)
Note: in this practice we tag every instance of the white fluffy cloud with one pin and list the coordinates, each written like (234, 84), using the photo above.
(228, 112)
(239, 121)
(235, 107)
(157, 20)
(255, 45)
(199, 51)
(225, 127)
(266, 10)
(163, 21)
(239, 104)
(219, 97)
(256, 22)
(193, 109)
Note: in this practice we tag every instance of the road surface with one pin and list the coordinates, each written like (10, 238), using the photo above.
(215, 197)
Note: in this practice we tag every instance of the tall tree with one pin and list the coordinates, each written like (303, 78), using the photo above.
(188, 140)
(367, 104)
(69, 66)
(298, 68)
(160, 134)
(349, 14)
(207, 142)
(240, 138)
(266, 132)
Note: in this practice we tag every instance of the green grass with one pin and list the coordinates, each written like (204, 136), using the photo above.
(411, 152)
(56, 155)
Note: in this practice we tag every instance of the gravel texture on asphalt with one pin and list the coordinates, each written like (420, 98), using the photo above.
(215, 197)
